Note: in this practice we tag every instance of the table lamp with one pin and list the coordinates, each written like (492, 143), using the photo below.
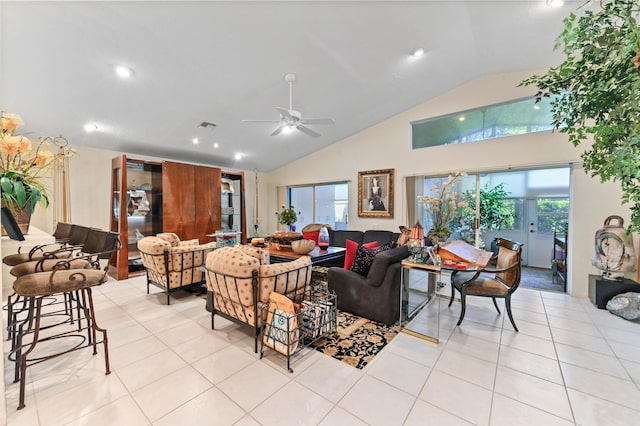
(416, 242)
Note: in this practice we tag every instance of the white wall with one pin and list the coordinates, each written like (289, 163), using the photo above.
(388, 145)
(90, 187)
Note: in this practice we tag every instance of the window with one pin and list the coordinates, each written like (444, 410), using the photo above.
(494, 121)
(553, 214)
(322, 203)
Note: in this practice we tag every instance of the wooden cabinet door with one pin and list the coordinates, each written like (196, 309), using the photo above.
(119, 262)
(178, 199)
(207, 202)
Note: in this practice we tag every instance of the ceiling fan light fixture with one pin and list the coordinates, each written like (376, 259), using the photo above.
(90, 127)
(555, 3)
(123, 72)
(417, 52)
(216, 145)
(195, 141)
(287, 129)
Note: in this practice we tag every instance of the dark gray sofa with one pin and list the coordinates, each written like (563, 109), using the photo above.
(376, 296)
(339, 238)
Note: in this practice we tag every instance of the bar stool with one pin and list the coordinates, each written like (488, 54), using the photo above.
(34, 288)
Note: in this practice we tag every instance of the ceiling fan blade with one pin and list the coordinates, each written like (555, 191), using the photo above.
(318, 121)
(284, 112)
(260, 121)
(277, 131)
(307, 130)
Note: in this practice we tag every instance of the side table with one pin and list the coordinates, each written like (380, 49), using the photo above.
(420, 287)
(602, 290)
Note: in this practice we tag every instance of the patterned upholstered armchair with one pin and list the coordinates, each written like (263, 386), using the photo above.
(240, 280)
(172, 264)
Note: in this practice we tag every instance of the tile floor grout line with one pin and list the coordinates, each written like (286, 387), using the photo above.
(564, 383)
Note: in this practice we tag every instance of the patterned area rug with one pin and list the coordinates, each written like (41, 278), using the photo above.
(356, 340)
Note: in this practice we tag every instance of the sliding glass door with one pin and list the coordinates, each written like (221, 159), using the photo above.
(322, 203)
(525, 206)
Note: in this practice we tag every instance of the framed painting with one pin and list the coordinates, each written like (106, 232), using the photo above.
(375, 193)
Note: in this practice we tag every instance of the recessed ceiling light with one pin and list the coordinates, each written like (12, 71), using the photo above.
(123, 72)
(215, 145)
(555, 3)
(417, 52)
(238, 156)
(89, 127)
(195, 141)
(536, 106)
(461, 118)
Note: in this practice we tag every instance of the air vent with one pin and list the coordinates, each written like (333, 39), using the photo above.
(206, 124)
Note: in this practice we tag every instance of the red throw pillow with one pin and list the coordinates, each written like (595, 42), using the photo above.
(311, 236)
(350, 254)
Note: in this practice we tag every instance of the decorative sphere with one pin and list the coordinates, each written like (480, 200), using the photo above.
(303, 246)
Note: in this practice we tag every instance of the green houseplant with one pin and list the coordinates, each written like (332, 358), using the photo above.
(494, 213)
(596, 91)
(287, 216)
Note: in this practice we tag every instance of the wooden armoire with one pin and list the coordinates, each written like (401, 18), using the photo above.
(152, 197)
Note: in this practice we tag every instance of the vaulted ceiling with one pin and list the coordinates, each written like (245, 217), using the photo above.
(222, 62)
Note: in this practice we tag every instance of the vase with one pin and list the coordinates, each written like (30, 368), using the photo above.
(21, 215)
(614, 252)
(438, 238)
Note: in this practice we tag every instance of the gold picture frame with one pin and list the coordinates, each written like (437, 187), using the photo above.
(375, 193)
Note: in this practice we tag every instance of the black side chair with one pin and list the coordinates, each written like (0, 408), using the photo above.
(502, 284)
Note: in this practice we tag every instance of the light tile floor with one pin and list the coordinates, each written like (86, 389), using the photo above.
(569, 364)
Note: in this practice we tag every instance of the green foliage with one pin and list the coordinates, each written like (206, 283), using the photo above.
(287, 216)
(598, 88)
(494, 212)
(19, 190)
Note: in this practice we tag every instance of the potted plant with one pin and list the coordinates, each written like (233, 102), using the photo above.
(443, 206)
(595, 93)
(494, 214)
(21, 170)
(288, 217)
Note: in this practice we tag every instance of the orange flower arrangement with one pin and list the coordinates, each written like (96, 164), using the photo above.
(22, 165)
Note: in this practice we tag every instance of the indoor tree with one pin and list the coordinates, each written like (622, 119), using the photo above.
(596, 92)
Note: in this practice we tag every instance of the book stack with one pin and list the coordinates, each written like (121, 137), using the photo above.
(316, 318)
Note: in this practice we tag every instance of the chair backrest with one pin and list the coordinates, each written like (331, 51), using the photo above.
(78, 235)
(63, 231)
(509, 256)
(100, 242)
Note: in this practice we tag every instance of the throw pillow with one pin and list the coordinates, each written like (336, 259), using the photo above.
(350, 254)
(313, 235)
(364, 258)
(405, 233)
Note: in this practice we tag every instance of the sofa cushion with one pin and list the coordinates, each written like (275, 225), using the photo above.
(350, 253)
(262, 254)
(382, 237)
(313, 236)
(154, 247)
(364, 258)
(169, 237)
(339, 238)
(288, 278)
(239, 268)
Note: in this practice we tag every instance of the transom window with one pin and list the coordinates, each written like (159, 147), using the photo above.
(493, 121)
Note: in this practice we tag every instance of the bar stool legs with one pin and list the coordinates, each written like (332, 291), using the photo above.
(31, 326)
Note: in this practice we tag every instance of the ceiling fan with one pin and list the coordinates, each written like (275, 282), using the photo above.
(291, 119)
